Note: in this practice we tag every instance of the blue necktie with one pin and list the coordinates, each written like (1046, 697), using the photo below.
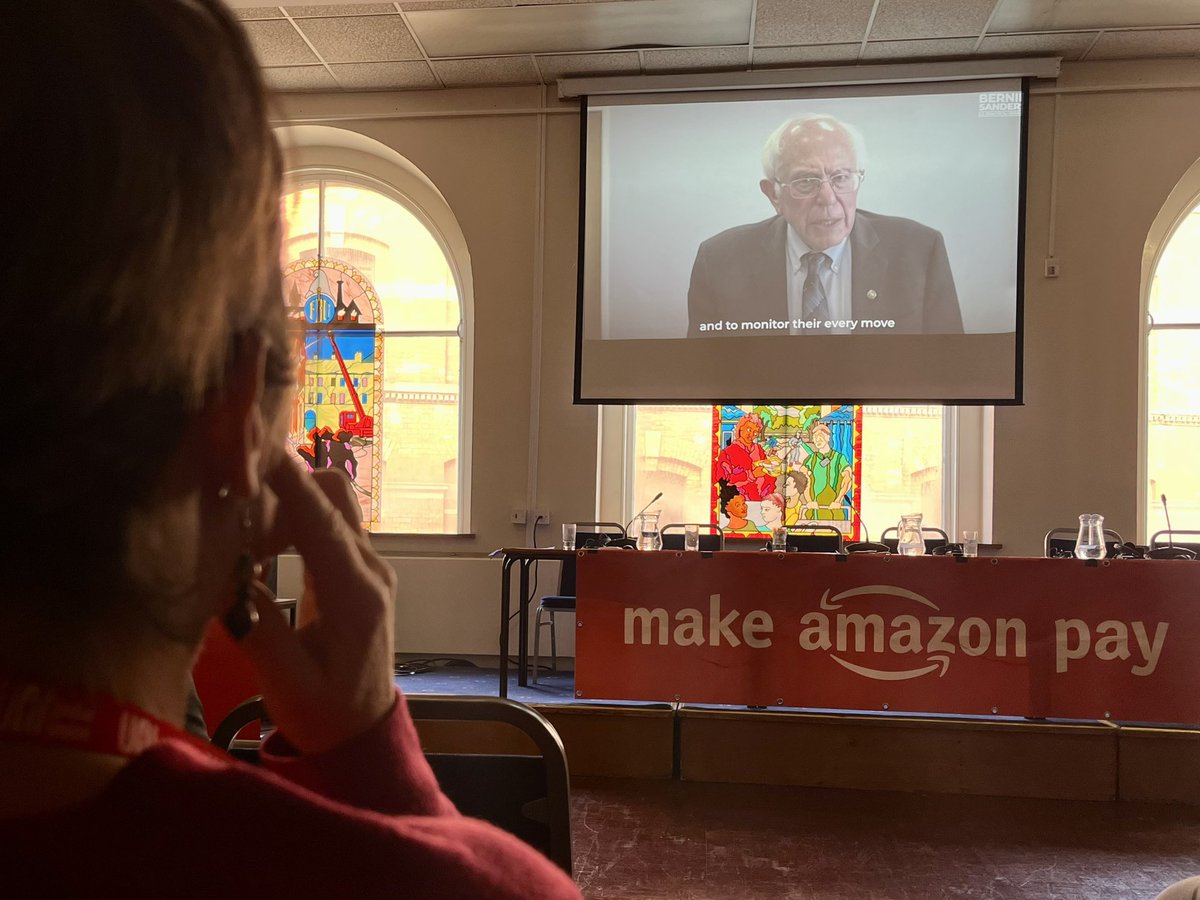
(812, 297)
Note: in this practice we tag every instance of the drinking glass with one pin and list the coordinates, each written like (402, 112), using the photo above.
(691, 537)
(970, 543)
(779, 539)
(569, 536)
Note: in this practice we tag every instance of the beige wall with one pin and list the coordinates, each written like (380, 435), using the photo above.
(507, 162)
(1073, 446)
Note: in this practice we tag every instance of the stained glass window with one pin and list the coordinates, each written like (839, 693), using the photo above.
(881, 462)
(376, 317)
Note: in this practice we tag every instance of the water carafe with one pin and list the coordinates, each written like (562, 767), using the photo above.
(1090, 543)
(910, 541)
(645, 527)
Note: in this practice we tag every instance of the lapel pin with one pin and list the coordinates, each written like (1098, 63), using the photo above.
(872, 294)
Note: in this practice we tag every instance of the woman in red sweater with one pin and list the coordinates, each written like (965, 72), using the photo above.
(148, 359)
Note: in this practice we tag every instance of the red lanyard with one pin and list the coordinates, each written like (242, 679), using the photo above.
(59, 716)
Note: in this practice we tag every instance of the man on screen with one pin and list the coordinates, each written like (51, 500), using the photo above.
(821, 265)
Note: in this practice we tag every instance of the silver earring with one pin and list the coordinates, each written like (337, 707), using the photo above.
(223, 492)
(242, 616)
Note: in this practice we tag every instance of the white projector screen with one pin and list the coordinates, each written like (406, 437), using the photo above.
(846, 244)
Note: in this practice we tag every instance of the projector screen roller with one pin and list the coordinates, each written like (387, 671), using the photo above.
(834, 244)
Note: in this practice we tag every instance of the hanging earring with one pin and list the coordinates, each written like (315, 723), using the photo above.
(223, 492)
(242, 616)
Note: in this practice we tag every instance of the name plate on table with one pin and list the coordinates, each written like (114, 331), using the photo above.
(982, 636)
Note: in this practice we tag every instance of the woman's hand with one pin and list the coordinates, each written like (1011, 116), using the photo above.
(331, 678)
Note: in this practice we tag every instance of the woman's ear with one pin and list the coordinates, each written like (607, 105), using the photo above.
(235, 433)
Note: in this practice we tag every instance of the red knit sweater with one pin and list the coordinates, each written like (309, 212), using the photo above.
(366, 819)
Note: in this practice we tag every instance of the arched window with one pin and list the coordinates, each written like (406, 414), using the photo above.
(378, 309)
(1173, 377)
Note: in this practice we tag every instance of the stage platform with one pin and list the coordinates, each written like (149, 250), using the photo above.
(996, 756)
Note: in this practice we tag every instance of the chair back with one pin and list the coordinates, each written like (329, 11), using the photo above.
(238, 720)
(1164, 546)
(866, 547)
(712, 540)
(814, 537)
(600, 535)
(934, 538)
(526, 794)
(1060, 542)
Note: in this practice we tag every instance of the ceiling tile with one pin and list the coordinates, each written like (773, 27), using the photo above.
(701, 58)
(491, 70)
(781, 22)
(1134, 44)
(299, 78)
(276, 43)
(1084, 15)
(341, 9)
(1069, 45)
(414, 5)
(806, 56)
(554, 67)
(258, 12)
(919, 49)
(361, 38)
(386, 76)
(581, 27)
(909, 19)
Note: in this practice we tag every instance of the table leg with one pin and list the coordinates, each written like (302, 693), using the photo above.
(523, 626)
(505, 605)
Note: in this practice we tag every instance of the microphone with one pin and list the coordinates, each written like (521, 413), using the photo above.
(854, 509)
(1170, 536)
(653, 500)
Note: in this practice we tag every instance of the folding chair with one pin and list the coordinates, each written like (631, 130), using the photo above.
(564, 601)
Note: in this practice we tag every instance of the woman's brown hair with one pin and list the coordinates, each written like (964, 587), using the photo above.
(142, 207)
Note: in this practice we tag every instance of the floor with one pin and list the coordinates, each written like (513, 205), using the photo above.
(670, 840)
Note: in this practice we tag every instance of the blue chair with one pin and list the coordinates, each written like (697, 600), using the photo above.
(564, 600)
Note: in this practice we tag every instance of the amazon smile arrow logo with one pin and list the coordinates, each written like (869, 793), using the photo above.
(936, 637)
(886, 675)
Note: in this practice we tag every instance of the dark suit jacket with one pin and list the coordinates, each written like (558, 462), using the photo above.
(740, 275)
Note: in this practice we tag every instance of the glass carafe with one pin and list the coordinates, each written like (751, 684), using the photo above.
(645, 529)
(909, 540)
(1090, 543)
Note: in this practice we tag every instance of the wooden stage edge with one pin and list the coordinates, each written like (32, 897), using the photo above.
(1007, 758)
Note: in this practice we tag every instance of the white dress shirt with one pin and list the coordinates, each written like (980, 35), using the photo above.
(835, 280)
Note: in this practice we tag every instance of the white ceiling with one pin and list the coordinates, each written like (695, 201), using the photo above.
(414, 44)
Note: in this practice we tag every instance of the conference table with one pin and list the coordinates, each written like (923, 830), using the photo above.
(523, 558)
(1031, 637)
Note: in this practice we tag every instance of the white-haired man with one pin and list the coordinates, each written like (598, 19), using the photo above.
(820, 259)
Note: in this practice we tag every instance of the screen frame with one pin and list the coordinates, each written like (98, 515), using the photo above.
(1017, 396)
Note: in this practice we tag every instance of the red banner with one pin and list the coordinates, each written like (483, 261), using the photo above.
(1017, 637)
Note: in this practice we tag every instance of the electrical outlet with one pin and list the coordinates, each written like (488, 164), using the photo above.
(542, 516)
(1051, 267)
(516, 516)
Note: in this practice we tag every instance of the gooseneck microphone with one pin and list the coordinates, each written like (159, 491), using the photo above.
(854, 509)
(1170, 535)
(653, 500)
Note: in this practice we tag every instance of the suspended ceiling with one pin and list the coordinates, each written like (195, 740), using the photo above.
(423, 44)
